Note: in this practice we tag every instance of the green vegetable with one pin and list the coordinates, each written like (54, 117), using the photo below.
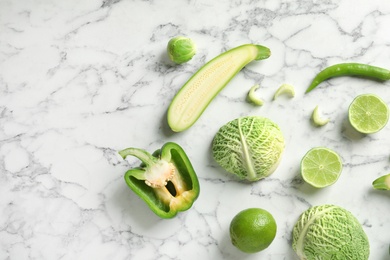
(197, 93)
(382, 183)
(350, 69)
(166, 180)
(329, 232)
(181, 49)
(317, 119)
(284, 89)
(249, 147)
(252, 98)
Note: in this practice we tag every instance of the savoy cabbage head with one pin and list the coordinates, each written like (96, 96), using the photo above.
(249, 147)
(329, 232)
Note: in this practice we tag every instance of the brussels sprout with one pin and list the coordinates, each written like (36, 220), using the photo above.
(181, 49)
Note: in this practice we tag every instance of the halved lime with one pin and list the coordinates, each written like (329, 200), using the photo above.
(321, 167)
(368, 113)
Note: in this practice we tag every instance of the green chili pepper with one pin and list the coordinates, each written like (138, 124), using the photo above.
(350, 69)
(165, 180)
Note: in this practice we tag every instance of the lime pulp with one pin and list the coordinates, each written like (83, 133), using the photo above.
(321, 167)
(368, 113)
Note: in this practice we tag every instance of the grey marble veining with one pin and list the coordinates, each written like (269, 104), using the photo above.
(81, 80)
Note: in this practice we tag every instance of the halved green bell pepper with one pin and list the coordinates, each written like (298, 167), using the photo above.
(165, 180)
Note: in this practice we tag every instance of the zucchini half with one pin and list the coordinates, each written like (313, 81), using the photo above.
(197, 93)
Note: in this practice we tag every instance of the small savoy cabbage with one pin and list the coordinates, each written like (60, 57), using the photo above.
(329, 232)
(249, 147)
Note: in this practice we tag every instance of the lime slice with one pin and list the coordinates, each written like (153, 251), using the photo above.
(317, 119)
(285, 89)
(368, 113)
(321, 167)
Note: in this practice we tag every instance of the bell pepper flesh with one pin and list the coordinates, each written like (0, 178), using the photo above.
(165, 180)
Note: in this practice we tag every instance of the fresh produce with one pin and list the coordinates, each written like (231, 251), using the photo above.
(321, 167)
(349, 69)
(252, 230)
(285, 89)
(249, 147)
(197, 93)
(382, 183)
(368, 113)
(181, 49)
(252, 98)
(317, 119)
(329, 232)
(165, 180)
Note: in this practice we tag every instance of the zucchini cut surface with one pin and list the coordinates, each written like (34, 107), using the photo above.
(197, 93)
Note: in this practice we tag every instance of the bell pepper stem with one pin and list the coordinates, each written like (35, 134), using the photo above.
(156, 172)
(141, 154)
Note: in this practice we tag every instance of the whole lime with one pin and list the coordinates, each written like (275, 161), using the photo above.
(252, 230)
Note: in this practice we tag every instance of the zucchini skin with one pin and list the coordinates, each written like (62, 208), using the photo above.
(196, 94)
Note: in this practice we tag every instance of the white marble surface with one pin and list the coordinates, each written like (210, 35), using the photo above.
(80, 80)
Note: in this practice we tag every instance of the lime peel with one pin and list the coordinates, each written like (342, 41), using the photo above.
(285, 89)
(382, 183)
(252, 230)
(253, 98)
(317, 119)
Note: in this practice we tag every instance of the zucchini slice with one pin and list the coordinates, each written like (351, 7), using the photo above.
(197, 93)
